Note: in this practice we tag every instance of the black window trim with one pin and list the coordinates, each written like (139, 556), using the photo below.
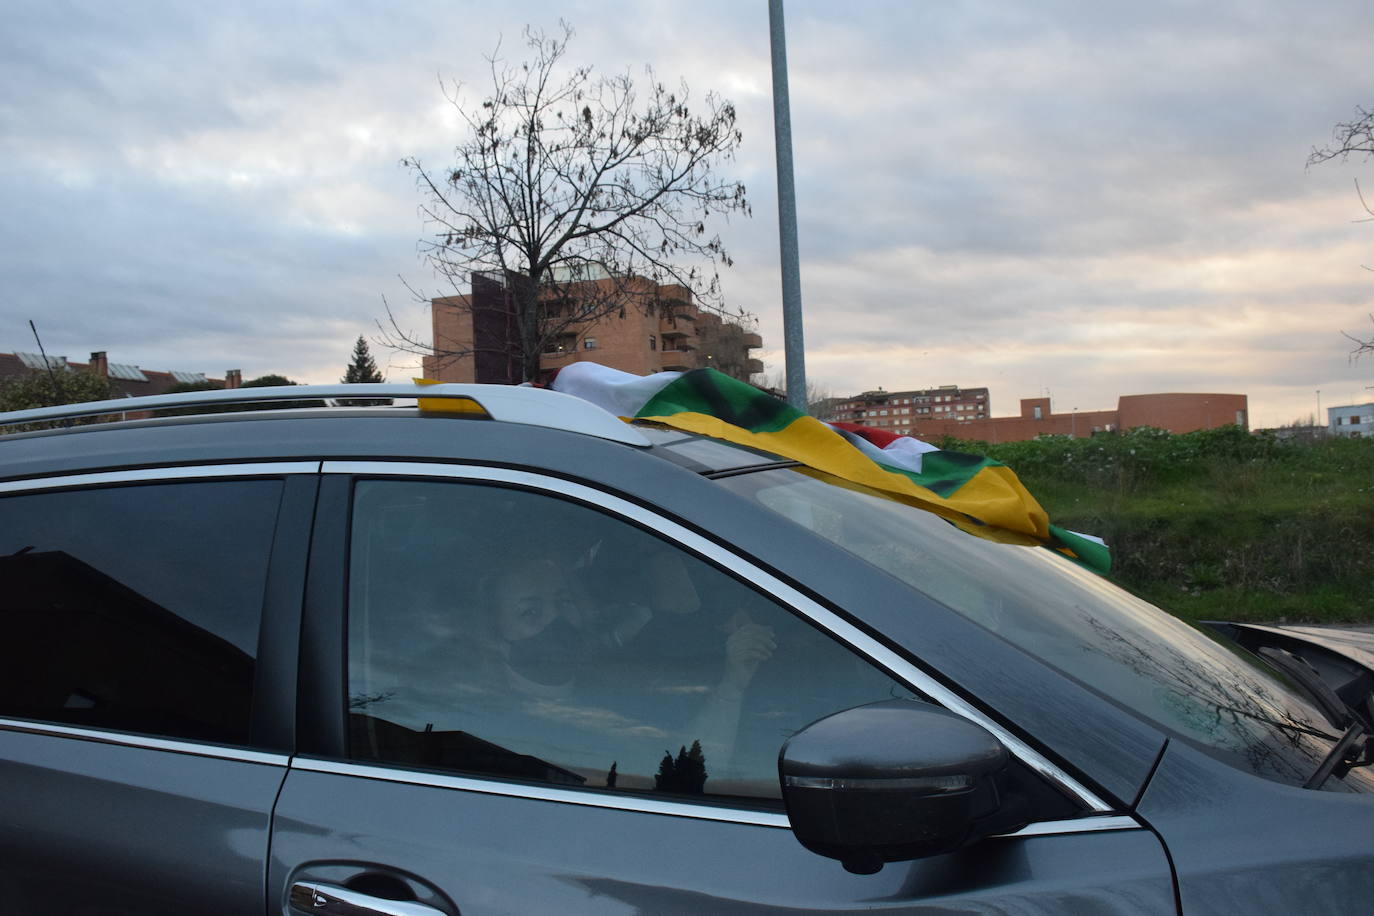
(886, 659)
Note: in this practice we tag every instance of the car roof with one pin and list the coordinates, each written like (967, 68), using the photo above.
(503, 403)
(163, 424)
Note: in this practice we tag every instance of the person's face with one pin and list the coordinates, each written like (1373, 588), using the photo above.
(527, 601)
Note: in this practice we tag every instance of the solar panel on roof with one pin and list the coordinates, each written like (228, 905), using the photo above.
(126, 372)
(188, 377)
(35, 361)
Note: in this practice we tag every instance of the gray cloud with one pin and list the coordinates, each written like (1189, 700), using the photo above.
(1095, 198)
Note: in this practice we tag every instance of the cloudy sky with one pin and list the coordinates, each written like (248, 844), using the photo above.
(1085, 198)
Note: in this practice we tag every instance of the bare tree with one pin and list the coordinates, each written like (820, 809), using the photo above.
(1347, 137)
(820, 402)
(575, 198)
(1352, 137)
(1363, 345)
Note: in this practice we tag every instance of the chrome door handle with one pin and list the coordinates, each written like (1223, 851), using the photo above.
(328, 900)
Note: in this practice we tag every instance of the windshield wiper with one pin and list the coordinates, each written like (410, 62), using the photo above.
(1345, 756)
(1305, 676)
(1357, 719)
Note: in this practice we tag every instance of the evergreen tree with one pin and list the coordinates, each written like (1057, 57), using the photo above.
(363, 369)
(665, 780)
(691, 770)
(611, 776)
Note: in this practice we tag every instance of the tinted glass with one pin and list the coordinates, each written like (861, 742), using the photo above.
(508, 633)
(135, 608)
(1072, 619)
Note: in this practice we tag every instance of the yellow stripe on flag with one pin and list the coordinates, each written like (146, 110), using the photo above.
(994, 496)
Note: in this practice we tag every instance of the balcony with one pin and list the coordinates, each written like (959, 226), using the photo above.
(753, 340)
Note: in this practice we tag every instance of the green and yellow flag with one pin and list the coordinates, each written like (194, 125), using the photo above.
(976, 494)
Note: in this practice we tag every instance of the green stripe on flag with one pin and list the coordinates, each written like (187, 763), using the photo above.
(715, 394)
(945, 472)
(1085, 551)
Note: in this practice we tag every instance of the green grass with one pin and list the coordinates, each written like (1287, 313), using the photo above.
(1217, 523)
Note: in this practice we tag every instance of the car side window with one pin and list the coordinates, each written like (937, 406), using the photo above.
(511, 633)
(135, 608)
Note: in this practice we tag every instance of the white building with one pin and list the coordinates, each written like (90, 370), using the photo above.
(1354, 421)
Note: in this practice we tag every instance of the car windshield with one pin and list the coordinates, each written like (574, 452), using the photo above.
(1072, 619)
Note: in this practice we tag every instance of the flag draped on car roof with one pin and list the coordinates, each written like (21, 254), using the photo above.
(975, 494)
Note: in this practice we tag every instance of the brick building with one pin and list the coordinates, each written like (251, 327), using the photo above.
(657, 327)
(900, 411)
(964, 413)
(126, 380)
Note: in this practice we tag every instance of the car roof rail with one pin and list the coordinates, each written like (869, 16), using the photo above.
(503, 403)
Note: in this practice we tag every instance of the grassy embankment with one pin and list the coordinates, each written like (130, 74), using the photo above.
(1218, 523)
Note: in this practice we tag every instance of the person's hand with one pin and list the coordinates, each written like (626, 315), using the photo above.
(747, 646)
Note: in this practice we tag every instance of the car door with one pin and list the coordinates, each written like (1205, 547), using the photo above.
(150, 620)
(521, 694)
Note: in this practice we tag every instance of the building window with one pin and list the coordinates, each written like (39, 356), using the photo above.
(653, 342)
(589, 343)
(1038, 414)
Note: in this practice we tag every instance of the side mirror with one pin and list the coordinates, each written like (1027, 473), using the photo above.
(894, 781)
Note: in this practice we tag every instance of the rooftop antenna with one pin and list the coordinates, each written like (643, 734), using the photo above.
(52, 377)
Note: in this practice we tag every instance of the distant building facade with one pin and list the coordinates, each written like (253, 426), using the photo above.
(659, 327)
(1354, 421)
(966, 414)
(126, 379)
(901, 411)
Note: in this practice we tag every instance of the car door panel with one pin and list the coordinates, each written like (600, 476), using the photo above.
(117, 828)
(494, 854)
(147, 712)
(506, 846)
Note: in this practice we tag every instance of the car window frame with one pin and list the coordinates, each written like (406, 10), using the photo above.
(322, 704)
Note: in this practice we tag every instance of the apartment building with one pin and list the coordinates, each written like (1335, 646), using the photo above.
(655, 328)
(902, 411)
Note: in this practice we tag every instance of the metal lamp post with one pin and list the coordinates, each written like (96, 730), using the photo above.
(793, 349)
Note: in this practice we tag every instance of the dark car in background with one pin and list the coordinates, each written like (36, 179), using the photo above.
(527, 658)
